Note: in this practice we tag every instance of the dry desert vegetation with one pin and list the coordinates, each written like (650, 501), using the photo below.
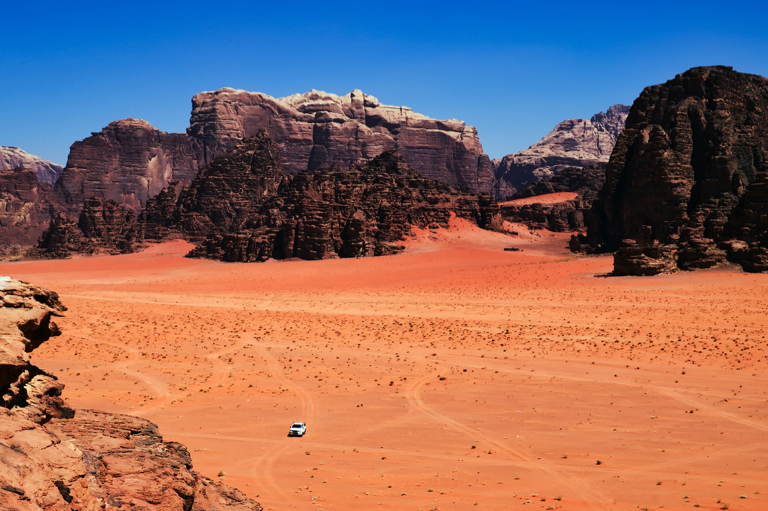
(454, 376)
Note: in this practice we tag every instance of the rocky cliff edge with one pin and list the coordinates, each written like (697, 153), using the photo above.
(56, 458)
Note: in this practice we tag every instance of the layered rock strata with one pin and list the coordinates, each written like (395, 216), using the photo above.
(243, 206)
(130, 161)
(26, 321)
(687, 183)
(55, 458)
(573, 143)
(228, 192)
(14, 158)
(26, 208)
(318, 129)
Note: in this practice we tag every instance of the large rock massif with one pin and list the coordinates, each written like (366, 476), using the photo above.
(687, 183)
(14, 158)
(243, 206)
(573, 143)
(56, 458)
(318, 129)
(130, 161)
(364, 211)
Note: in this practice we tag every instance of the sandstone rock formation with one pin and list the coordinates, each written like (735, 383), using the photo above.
(363, 211)
(13, 158)
(244, 207)
(26, 321)
(570, 215)
(55, 458)
(687, 183)
(26, 208)
(104, 226)
(229, 191)
(565, 216)
(318, 129)
(573, 143)
(129, 161)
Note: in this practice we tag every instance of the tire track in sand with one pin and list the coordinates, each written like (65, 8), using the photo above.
(264, 465)
(588, 498)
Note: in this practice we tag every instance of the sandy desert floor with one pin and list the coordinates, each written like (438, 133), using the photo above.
(455, 376)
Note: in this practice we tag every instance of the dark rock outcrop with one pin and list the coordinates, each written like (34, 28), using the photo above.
(104, 226)
(364, 211)
(687, 183)
(14, 158)
(56, 458)
(26, 208)
(251, 211)
(318, 129)
(229, 191)
(129, 161)
(565, 216)
(573, 143)
(244, 207)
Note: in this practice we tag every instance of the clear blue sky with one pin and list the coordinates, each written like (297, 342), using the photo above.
(512, 69)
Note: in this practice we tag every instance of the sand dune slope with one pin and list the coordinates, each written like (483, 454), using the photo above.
(454, 376)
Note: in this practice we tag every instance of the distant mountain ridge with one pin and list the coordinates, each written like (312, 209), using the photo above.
(13, 157)
(572, 143)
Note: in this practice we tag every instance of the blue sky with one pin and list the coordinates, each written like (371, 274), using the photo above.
(512, 69)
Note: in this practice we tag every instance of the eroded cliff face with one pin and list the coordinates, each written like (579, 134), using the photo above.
(56, 458)
(103, 227)
(573, 143)
(128, 162)
(14, 158)
(687, 183)
(243, 206)
(364, 211)
(26, 208)
(318, 129)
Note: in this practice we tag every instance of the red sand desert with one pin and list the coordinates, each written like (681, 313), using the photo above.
(454, 376)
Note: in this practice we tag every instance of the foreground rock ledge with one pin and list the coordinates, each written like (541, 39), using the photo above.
(55, 458)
